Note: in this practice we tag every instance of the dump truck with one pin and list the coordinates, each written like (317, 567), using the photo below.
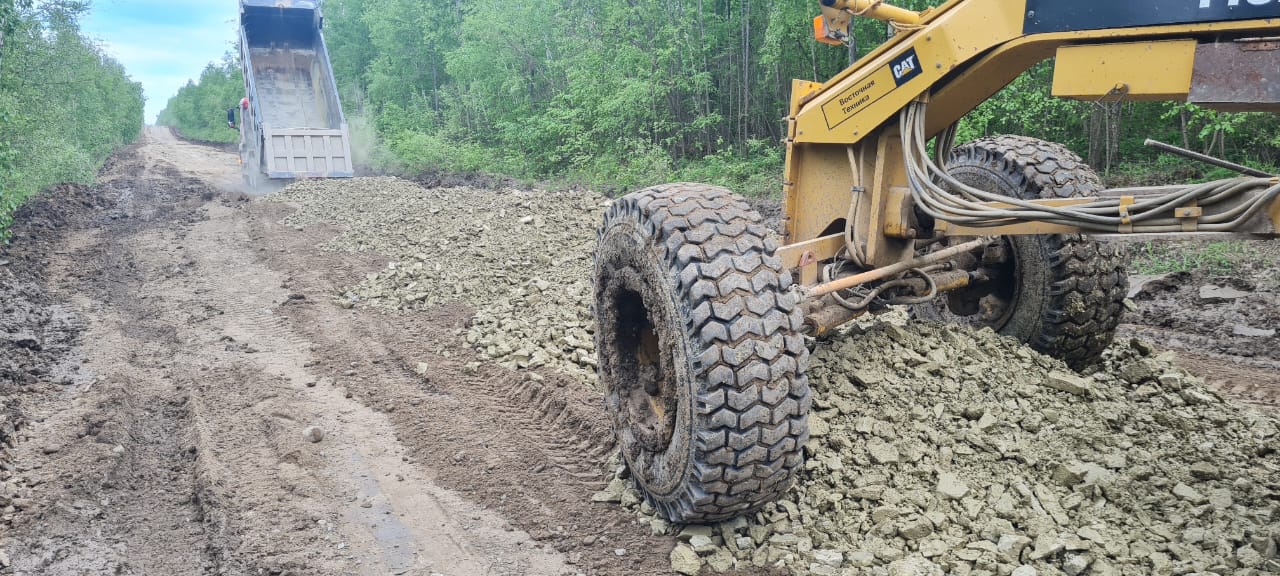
(702, 313)
(294, 126)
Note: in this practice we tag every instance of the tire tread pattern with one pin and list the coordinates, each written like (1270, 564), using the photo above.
(747, 360)
(1089, 281)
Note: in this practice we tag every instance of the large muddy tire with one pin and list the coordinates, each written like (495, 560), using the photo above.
(1062, 294)
(699, 354)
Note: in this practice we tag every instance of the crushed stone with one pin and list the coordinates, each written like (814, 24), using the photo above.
(520, 258)
(934, 449)
(1000, 469)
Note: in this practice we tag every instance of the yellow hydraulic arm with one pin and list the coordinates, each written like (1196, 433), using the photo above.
(846, 136)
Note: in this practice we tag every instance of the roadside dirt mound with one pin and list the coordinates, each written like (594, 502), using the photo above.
(935, 448)
(30, 338)
(37, 332)
(50, 212)
(34, 331)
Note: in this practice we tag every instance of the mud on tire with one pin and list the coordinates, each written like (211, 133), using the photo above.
(1065, 293)
(699, 354)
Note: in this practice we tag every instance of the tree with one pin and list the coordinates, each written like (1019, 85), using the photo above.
(64, 105)
(633, 92)
(199, 108)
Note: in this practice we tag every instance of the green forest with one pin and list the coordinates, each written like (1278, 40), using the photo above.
(64, 104)
(198, 110)
(625, 94)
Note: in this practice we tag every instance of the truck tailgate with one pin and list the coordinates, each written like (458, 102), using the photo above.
(307, 152)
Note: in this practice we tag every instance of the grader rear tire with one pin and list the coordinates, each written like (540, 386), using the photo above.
(699, 354)
(1062, 294)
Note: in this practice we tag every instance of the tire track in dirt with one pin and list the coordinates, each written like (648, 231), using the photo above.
(205, 389)
(1251, 384)
(568, 439)
(533, 447)
(371, 523)
(550, 424)
(1254, 381)
(102, 504)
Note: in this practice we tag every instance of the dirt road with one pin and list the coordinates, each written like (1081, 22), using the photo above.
(177, 445)
(1224, 327)
(196, 382)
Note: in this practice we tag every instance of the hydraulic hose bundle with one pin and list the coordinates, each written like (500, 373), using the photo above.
(945, 198)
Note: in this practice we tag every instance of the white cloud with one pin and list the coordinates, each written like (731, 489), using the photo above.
(163, 43)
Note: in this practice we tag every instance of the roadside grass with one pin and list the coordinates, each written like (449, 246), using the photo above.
(1218, 257)
(754, 171)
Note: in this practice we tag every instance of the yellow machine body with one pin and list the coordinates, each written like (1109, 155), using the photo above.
(1159, 70)
(843, 134)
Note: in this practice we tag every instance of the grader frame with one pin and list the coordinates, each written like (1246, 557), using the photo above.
(842, 139)
(701, 315)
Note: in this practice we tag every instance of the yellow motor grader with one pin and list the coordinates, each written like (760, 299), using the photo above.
(702, 314)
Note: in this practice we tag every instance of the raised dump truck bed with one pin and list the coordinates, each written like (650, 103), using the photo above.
(294, 127)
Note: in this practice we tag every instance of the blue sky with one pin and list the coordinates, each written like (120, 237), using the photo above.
(163, 43)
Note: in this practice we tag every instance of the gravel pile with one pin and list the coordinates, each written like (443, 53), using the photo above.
(938, 449)
(521, 258)
(935, 449)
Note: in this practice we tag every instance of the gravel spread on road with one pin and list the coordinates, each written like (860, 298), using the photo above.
(934, 449)
(520, 258)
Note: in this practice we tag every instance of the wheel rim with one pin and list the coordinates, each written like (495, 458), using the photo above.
(988, 307)
(645, 385)
(642, 361)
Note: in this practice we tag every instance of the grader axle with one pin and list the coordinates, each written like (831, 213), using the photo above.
(702, 314)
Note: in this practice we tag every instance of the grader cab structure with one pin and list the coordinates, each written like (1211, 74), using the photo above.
(702, 313)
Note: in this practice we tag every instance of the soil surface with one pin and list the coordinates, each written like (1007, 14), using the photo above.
(223, 146)
(377, 377)
(179, 348)
(1224, 326)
